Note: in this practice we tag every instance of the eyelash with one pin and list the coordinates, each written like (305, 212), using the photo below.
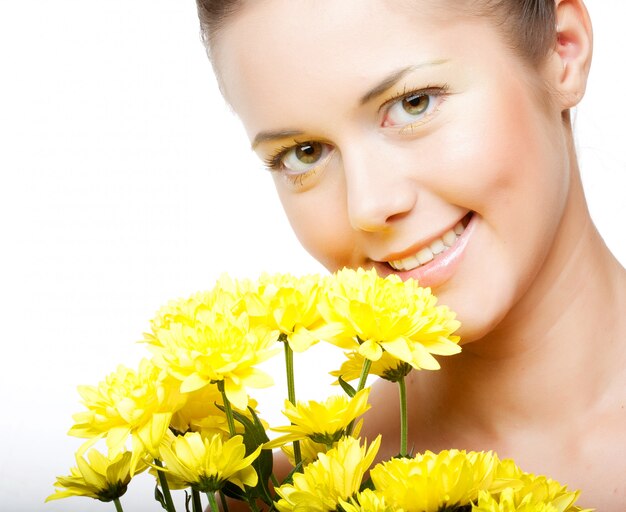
(274, 161)
(438, 91)
(429, 90)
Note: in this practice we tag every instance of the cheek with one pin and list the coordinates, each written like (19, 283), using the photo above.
(319, 220)
(507, 161)
(509, 164)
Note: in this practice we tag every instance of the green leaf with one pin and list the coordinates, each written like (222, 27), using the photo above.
(158, 496)
(254, 436)
(233, 491)
(350, 391)
(289, 478)
(187, 500)
(368, 484)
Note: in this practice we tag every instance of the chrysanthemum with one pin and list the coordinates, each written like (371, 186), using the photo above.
(512, 500)
(309, 451)
(201, 413)
(322, 422)
(530, 491)
(129, 403)
(430, 482)
(207, 463)
(387, 367)
(367, 501)
(212, 347)
(225, 296)
(289, 304)
(104, 478)
(389, 315)
(335, 475)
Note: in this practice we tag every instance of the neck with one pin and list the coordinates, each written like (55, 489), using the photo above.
(556, 354)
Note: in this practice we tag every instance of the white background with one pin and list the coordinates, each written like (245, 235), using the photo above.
(125, 182)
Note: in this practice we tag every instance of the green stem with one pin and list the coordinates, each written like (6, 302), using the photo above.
(275, 481)
(365, 370)
(404, 424)
(291, 391)
(195, 501)
(229, 411)
(212, 502)
(118, 505)
(165, 488)
(253, 505)
(224, 502)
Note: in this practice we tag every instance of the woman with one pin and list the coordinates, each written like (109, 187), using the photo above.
(432, 139)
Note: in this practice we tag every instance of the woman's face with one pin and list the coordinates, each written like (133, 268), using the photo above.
(405, 138)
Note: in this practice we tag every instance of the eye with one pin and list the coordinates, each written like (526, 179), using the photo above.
(300, 158)
(411, 107)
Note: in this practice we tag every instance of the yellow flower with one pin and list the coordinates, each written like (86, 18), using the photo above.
(368, 501)
(512, 500)
(136, 403)
(309, 451)
(201, 413)
(389, 315)
(387, 367)
(530, 491)
(289, 304)
(103, 478)
(224, 297)
(430, 482)
(211, 347)
(206, 464)
(335, 475)
(545, 489)
(322, 422)
(505, 502)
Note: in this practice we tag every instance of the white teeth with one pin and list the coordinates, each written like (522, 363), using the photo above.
(428, 253)
(412, 261)
(449, 238)
(425, 255)
(437, 246)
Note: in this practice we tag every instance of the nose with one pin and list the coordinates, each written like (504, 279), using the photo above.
(379, 192)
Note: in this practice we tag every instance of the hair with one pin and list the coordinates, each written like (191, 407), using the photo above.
(213, 15)
(529, 26)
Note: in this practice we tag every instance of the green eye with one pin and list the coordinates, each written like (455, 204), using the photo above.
(416, 104)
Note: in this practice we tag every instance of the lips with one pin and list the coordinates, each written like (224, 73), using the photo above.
(433, 249)
(436, 262)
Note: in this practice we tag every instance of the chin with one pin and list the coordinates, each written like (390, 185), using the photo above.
(479, 314)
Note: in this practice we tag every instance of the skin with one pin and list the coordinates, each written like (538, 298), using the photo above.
(541, 299)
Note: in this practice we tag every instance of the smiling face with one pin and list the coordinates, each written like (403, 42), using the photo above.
(404, 137)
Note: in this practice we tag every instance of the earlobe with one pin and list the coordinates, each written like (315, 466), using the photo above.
(573, 50)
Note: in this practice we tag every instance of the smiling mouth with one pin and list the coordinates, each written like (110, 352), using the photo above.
(435, 248)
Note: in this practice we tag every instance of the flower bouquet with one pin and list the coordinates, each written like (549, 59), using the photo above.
(186, 414)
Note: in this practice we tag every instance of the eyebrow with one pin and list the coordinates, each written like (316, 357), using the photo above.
(274, 135)
(393, 78)
(385, 84)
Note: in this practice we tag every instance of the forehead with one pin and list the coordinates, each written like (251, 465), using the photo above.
(274, 53)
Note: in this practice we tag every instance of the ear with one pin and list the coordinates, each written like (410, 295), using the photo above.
(571, 58)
